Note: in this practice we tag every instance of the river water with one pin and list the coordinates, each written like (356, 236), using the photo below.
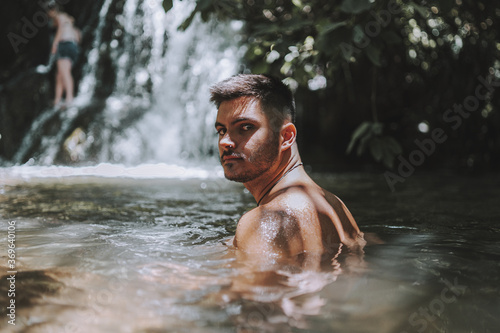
(141, 249)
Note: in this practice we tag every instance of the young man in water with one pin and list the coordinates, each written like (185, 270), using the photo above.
(257, 146)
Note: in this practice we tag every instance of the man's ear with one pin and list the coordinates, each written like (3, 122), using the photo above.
(288, 135)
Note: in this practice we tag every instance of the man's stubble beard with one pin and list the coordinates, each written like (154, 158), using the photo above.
(262, 159)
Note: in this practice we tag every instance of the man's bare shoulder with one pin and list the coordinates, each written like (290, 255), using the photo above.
(296, 199)
(292, 202)
(326, 210)
(272, 227)
(297, 218)
(342, 219)
(278, 225)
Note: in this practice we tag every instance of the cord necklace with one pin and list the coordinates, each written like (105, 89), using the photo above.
(286, 173)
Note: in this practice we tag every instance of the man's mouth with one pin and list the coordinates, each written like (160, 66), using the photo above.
(230, 157)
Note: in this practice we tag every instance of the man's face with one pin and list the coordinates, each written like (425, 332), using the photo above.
(247, 145)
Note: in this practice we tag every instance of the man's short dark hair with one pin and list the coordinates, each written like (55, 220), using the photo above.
(275, 97)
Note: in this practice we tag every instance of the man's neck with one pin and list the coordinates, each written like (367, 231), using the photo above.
(263, 185)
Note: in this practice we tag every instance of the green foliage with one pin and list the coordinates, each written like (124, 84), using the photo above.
(310, 38)
(223, 9)
(167, 5)
(355, 6)
(429, 55)
(383, 148)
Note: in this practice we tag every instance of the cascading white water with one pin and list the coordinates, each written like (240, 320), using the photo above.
(159, 109)
(180, 123)
(88, 83)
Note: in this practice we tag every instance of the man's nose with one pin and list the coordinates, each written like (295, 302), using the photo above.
(226, 142)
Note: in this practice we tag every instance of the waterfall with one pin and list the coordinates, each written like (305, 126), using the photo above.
(179, 125)
(144, 94)
(89, 80)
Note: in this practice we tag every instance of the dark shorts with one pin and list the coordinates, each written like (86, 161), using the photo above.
(69, 50)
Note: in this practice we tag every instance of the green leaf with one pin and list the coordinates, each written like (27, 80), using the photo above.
(390, 37)
(358, 35)
(359, 132)
(388, 160)
(376, 148)
(266, 29)
(373, 53)
(420, 9)
(261, 67)
(393, 145)
(187, 22)
(348, 50)
(201, 6)
(445, 7)
(324, 29)
(377, 128)
(329, 42)
(390, 149)
(355, 6)
(383, 148)
(205, 16)
(297, 24)
(167, 5)
(362, 143)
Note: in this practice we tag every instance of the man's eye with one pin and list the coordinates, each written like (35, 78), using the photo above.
(246, 127)
(221, 131)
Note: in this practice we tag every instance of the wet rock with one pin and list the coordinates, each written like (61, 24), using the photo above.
(30, 286)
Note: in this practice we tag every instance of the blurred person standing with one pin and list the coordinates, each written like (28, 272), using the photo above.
(65, 50)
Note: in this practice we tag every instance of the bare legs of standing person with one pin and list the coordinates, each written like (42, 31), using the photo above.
(64, 81)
